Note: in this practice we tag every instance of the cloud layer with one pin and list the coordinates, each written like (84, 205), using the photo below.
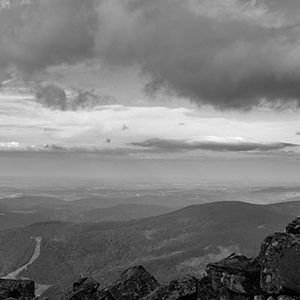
(227, 53)
(212, 144)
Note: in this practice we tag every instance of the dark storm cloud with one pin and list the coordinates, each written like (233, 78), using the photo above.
(184, 145)
(231, 54)
(231, 58)
(47, 32)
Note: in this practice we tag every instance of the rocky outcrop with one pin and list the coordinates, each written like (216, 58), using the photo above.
(293, 227)
(133, 284)
(16, 289)
(235, 275)
(83, 289)
(280, 264)
(274, 274)
(184, 288)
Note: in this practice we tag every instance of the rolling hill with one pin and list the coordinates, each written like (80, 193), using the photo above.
(26, 210)
(120, 212)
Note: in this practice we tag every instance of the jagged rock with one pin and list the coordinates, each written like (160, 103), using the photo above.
(17, 289)
(283, 297)
(293, 227)
(105, 295)
(135, 283)
(280, 262)
(205, 290)
(83, 289)
(184, 288)
(236, 277)
(87, 284)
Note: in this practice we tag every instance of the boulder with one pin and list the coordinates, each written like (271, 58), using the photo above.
(280, 264)
(293, 227)
(133, 284)
(83, 289)
(184, 288)
(11, 288)
(235, 277)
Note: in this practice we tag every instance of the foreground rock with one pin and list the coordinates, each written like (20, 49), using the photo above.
(273, 275)
(135, 283)
(83, 289)
(235, 277)
(293, 227)
(280, 264)
(183, 288)
(16, 289)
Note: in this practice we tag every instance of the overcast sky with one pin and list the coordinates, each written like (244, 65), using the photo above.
(194, 79)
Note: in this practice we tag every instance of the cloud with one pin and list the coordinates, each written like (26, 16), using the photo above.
(58, 98)
(210, 143)
(20, 147)
(23, 147)
(48, 32)
(156, 146)
(227, 53)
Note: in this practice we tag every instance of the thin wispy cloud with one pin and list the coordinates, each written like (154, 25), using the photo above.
(233, 144)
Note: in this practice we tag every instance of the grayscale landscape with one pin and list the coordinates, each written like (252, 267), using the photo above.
(149, 150)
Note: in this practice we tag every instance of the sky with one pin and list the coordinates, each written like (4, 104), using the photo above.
(212, 84)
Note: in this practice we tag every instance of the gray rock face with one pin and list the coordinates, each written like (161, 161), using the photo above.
(283, 297)
(205, 290)
(236, 274)
(83, 289)
(17, 289)
(135, 283)
(280, 264)
(293, 227)
(184, 288)
(273, 275)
